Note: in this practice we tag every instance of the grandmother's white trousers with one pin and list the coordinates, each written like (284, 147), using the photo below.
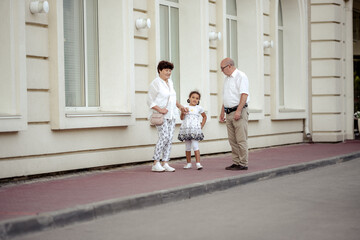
(163, 146)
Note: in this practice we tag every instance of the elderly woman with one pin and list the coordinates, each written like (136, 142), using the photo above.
(162, 98)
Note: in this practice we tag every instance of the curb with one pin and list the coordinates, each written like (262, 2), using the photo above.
(25, 225)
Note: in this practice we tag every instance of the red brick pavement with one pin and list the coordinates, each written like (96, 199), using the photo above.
(40, 196)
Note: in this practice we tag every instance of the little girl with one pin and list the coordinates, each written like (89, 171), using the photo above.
(190, 130)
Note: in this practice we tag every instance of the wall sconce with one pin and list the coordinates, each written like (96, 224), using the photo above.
(214, 36)
(39, 7)
(268, 44)
(142, 23)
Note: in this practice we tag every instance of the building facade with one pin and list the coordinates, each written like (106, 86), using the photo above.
(74, 80)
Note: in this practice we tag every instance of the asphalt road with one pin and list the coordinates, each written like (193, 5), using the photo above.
(323, 203)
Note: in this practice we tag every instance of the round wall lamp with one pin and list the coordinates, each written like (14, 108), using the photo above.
(268, 44)
(143, 23)
(39, 7)
(214, 36)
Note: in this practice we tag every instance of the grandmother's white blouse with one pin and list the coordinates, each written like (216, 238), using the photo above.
(158, 95)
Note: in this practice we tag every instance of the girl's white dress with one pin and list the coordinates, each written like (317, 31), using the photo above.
(190, 128)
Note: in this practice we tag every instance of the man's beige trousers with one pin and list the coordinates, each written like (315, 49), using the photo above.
(238, 136)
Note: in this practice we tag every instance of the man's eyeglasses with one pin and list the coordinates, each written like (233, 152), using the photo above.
(222, 68)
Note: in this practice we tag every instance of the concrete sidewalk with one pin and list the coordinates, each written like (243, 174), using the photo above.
(55, 202)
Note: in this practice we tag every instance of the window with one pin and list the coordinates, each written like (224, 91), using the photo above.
(169, 38)
(13, 94)
(231, 30)
(244, 44)
(290, 68)
(81, 53)
(92, 64)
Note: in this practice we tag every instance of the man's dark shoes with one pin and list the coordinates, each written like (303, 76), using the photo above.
(231, 167)
(236, 167)
(239, 167)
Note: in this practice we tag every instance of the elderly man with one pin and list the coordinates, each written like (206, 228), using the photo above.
(235, 104)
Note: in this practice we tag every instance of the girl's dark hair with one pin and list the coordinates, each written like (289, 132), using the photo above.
(194, 92)
(164, 65)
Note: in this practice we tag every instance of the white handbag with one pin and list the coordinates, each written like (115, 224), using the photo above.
(157, 118)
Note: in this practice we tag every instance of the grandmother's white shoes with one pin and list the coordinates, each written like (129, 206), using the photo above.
(164, 168)
(168, 168)
(157, 167)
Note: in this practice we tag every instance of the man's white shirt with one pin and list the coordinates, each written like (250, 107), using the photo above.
(235, 85)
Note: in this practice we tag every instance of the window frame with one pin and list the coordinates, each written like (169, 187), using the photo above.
(14, 118)
(84, 61)
(116, 68)
(229, 34)
(250, 51)
(169, 5)
(291, 85)
(194, 72)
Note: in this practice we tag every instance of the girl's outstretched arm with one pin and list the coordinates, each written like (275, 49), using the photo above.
(181, 107)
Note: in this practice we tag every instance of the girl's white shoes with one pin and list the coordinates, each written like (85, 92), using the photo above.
(187, 166)
(198, 166)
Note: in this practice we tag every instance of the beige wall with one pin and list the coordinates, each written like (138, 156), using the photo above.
(331, 81)
(50, 143)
